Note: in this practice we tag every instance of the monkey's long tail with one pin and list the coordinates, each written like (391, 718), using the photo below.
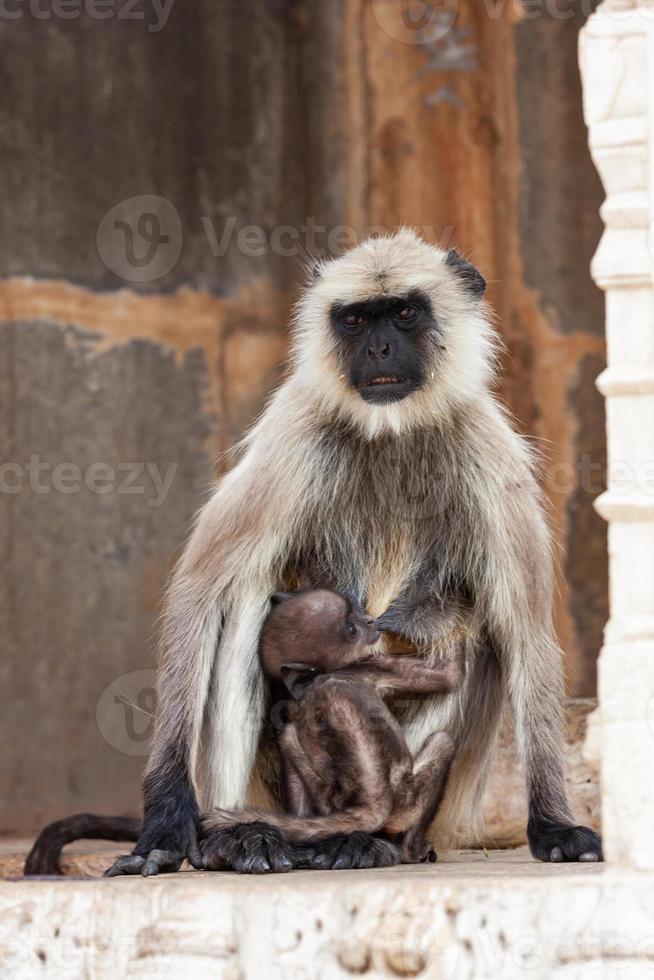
(296, 830)
(43, 859)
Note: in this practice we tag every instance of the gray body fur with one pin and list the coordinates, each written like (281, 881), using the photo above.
(435, 490)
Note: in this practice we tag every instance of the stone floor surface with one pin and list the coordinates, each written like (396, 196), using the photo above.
(472, 915)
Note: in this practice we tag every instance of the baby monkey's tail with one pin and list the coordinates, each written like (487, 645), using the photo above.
(296, 830)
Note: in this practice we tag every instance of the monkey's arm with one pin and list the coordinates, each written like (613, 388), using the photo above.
(402, 673)
(431, 769)
(429, 622)
(213, 614)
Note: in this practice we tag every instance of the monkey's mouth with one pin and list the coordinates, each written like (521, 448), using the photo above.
(384, 379)
(381, 389)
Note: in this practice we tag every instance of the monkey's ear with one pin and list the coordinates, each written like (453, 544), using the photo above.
(297, 678)
(278, 597)
(471, 278)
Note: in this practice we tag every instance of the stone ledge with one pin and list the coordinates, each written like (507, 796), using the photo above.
(470, 916)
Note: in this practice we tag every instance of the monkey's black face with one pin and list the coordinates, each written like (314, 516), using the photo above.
(386, 344)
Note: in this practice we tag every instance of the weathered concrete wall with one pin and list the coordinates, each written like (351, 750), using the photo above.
(84, 551)
(130, 348)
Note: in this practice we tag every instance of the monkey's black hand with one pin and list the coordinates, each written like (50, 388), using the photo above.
(157, 860)
(393, 620)
(551, 840)
(357, 850)
(249, 848)
(169, 836)
(134, 864)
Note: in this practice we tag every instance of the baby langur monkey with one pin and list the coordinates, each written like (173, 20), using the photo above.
(347, 764)
(348, 767)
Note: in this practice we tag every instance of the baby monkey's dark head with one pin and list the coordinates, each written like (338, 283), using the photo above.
(316, 630)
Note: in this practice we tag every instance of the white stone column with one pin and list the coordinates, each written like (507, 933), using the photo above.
(617, 66)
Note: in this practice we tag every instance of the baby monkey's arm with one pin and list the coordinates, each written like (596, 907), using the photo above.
(402, 673)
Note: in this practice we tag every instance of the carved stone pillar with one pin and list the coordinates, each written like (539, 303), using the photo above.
(617, 66)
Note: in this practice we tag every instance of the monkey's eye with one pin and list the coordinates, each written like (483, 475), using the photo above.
(406, 314)
(351, 629)
(353, 320)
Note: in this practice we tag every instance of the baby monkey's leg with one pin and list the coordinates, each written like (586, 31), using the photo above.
(430, 772)
(361, 777)
(306, 785)
(297, 797)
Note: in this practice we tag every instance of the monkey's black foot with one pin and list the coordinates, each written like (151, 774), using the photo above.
(126, 864)
(550, 841)
(416, 850)
(249, 848)
(357, 850)
(134, 864)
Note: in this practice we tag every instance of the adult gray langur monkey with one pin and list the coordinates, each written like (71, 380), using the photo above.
(383, 467)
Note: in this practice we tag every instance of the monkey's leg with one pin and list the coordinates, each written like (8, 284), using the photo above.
(256, 847)
(311, 784)
(537, 706)
(298, 799)
(531, 662)
(170, 815)
(430, 772)
(169, 832)
(361, 764)
(300, 805)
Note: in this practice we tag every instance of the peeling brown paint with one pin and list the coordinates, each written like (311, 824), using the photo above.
(244, 337)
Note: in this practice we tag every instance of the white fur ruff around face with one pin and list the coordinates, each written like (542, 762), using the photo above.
(393, 265)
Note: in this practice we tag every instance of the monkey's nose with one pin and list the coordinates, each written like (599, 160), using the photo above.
(379, 351)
